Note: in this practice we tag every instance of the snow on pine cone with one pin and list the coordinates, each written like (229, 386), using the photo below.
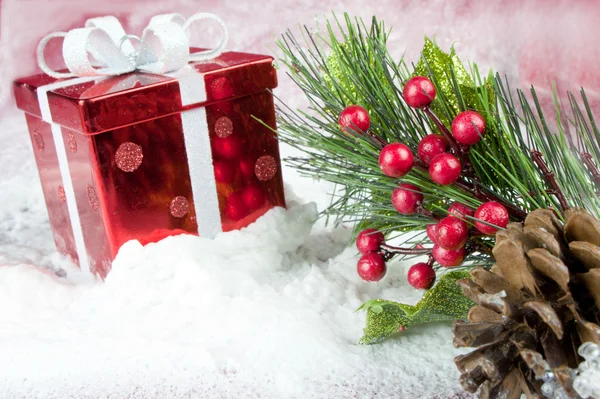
(537, 305)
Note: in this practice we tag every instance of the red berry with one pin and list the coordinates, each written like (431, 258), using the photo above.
(419, 92)
(371, 267)
(224, 171)
(468, 127)
(445, 169)
(460, 211)
(448, 257)
(492, 213)
(228, 147)
(354, 119)
(430, 146)
(236, 209)
(253, 196)
(431, 230)
(406, 198)
(421, 276)
(452, 233)
(369, 240)
(395, 160)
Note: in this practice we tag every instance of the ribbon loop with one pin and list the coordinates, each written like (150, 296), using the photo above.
(167, 18)
(115, 30)
(41, 59)
(79, 43)
(212, 53)
(164, 47)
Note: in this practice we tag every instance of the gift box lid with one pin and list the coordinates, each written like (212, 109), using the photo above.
(107, 103)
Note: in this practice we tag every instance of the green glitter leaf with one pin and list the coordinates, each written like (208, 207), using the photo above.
(448, 73)
(443, 302)
(376, 309)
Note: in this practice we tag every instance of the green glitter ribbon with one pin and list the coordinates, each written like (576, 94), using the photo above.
(443, 302)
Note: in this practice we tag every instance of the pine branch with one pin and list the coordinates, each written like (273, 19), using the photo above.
(349, 63)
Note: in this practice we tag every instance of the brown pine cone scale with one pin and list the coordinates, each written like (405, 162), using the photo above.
(535, 307)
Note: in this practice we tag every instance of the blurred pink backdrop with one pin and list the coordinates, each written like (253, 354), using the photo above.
(531, 41)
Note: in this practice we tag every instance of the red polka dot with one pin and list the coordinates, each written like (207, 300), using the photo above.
(38, 141)
(92, 197)
(72, 142)
(179, 207)
(129, 157)
(223, 127)
(61, 194)
(265, 168)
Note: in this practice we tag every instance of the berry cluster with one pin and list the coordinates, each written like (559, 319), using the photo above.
(371, 266)
(445, 167)
(444, 157)
(449, 237)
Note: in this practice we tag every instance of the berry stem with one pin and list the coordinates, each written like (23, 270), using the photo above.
(405, 251)
(589, 163)
(445, 132)
(426, 212)
(549, 176)
(516, 212)
(430, 260)
(461, 151)
(473, 188)
(476, 191)
(379, 141)
(376, 140)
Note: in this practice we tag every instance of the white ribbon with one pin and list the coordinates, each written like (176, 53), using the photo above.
(164, 47)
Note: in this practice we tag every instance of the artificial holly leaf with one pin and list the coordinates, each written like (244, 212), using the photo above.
(444, 301)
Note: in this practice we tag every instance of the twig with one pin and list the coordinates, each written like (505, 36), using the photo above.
(588, 161)
(405, 251)
(549, 192)
(430, 260)
(445, 132)
(462, 152)
(549, 176)
(474, 190)
(426, 212)
(382, 143)
(516, 212)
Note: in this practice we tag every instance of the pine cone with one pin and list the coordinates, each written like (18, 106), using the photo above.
(536, 306)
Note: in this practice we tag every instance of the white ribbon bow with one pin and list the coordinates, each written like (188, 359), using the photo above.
(164, 47)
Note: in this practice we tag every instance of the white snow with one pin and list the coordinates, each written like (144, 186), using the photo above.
(263, 312)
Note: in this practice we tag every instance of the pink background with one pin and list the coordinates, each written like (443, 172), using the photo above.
(531, 41)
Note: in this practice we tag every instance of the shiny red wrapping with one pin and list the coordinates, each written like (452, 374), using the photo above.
(126, 152)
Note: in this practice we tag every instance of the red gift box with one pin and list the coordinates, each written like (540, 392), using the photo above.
(143, 156)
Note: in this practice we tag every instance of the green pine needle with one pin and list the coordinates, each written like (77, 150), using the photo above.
(349, 64)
